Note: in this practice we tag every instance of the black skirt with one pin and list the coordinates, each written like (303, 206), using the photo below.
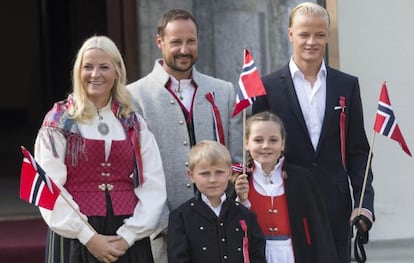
(64, 250)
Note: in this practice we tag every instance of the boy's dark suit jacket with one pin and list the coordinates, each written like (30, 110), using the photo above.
(196, 234)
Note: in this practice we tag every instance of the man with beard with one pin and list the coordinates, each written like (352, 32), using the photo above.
(182, 107)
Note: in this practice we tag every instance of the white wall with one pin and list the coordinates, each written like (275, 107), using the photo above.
(376, 43)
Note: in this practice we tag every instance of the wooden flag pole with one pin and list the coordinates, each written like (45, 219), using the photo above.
(366, 173)
(244, 141)
(244, 124)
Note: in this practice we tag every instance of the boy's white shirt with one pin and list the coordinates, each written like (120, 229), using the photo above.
(217, 209)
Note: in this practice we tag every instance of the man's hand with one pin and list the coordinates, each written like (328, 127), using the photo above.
(362, 224)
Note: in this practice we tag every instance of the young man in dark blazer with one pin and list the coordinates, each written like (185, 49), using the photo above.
(322, 111)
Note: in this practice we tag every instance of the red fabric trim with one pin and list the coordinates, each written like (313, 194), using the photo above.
(307, 233)
(342, 127)
(245, 242)
(137, 154)
(217, 119)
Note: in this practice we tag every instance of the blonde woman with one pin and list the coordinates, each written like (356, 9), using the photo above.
(107, 163)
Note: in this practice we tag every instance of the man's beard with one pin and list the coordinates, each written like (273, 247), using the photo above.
(174, 66)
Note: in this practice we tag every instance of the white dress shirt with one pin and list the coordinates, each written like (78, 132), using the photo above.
(184, 90)
(311, 99)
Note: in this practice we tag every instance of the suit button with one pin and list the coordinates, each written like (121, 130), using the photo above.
(223, 240)
(201, 228)
(225, 257)
(204, 248)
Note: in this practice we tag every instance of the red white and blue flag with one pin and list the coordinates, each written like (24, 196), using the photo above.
(385, 121)
(35, 186)
(250, 84)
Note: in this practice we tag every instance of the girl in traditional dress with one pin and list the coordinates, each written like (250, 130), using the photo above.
(289, 206)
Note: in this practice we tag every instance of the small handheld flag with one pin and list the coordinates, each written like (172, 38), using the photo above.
(385, 121)
(250, 84)
(35, 185)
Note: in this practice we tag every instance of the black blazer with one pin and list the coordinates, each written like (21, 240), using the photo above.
(325, 163)
(196, 234)
(312, 237)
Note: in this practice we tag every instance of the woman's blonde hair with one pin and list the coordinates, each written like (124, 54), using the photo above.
(84, 109)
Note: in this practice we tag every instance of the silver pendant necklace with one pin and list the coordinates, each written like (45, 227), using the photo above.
(268, 179)
(103, 128)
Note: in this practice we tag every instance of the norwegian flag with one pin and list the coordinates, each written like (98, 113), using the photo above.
(35, 186)
(250, 84)
(385, 122)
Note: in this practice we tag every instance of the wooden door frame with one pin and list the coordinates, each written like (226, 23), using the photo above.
(123, 29)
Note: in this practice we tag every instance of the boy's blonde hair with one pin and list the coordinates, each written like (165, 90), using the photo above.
(210, 151)
(309, 8)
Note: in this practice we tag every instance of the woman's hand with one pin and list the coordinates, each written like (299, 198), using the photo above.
(101, 247)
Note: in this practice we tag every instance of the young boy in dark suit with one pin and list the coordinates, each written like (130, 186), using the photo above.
(211, 227)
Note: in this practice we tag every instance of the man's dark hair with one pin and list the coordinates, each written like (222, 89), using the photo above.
(171, 15)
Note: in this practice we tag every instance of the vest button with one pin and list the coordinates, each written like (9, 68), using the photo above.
(186, 164)
(180, 122)
(185, 142)
(172, 102)
(188, 185)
